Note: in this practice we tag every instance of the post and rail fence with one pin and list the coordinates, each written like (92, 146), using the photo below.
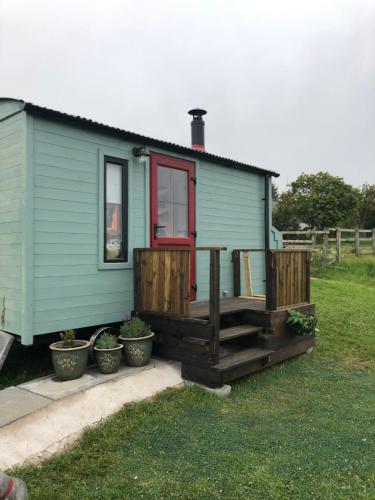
(355, 241)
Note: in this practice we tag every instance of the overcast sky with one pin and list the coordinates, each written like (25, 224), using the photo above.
(288, 85)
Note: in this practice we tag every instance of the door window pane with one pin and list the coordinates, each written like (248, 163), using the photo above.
(113, 212)
(172, 202)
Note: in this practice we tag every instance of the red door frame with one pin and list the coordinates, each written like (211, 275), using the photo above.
(189, 242)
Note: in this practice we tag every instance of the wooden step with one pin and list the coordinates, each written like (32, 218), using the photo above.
(242, 357)
(238, 331)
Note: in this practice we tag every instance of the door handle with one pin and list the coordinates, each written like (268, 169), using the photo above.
(156, 227)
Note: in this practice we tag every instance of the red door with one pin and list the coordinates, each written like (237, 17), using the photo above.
(173, 205)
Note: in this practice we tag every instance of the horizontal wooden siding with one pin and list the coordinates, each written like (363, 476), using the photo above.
(230, 213)
(71, 291)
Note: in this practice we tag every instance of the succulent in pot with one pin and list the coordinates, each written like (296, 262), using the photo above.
(136, 338)
(69, 356)
(108, 353)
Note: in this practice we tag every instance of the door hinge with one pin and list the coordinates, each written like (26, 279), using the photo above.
(193, 233)
(194, 180)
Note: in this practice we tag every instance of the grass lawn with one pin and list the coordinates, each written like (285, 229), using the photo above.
(304, 429)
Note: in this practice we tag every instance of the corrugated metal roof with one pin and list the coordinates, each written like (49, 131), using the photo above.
(144, 140)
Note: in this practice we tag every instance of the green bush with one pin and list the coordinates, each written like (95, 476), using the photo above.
(135, 328)
(301, 324)
(106, 341)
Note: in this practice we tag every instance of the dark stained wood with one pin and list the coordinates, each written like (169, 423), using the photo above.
(236, 273)
(216, 378)
(238, 331)
(271, 300)
(177, 326)
(214, 300)
(228, 305)
(242, 357)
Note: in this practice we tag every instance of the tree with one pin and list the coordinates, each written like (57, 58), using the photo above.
(367, 206)
(317, 200)
(275, 192)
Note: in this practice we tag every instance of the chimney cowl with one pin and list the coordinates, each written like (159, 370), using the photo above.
(197, 129)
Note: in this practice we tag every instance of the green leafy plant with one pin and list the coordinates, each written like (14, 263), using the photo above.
(301, 324)
(68, 338)
(106, 341)
(135, 328)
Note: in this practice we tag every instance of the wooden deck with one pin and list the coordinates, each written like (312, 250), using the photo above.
(221, 339)
(200, 309)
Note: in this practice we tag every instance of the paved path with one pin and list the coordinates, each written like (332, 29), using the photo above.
(39, 418)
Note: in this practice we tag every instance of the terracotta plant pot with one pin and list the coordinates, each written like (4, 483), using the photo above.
(70, 363)
(137, 351)
(108, 359)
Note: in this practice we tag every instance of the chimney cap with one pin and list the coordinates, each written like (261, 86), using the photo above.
(197, 112)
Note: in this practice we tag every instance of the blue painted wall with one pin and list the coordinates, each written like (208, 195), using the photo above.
(230, 213)
(12, 180)
(52, 273)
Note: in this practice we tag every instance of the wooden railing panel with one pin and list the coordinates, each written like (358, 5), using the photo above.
(162, 281)
(292, 277)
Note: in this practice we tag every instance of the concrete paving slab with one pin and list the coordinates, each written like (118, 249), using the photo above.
(53, 388)
(16, 403)
(48, 430)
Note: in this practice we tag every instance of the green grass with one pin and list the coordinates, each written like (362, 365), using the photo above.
(304, 429)
(350, 269)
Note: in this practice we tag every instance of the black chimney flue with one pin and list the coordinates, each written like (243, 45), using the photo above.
(197, 129)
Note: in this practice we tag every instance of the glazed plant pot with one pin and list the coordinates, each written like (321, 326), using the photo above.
(108, 359)
(70, 362)
(137, 351)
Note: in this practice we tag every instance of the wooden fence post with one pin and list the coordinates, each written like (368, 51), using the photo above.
(313, 246)
(338, 244)
(357, 247)
(373, 241)
(325, 248)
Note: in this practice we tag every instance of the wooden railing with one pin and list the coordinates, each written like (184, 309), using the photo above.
(162, 291)
(162, 281)
(287, 276)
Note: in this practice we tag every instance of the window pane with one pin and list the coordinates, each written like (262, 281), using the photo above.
(172, 202)
(113, 211)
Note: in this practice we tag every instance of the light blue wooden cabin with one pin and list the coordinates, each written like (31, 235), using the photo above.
(54, 273)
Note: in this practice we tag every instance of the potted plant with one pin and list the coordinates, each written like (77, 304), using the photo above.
(136, 338)
(301, 324)
(108, 353)
(69, 356)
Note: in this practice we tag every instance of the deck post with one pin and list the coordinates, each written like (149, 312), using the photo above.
(214, 302)
(236, 273)
(271, 298)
